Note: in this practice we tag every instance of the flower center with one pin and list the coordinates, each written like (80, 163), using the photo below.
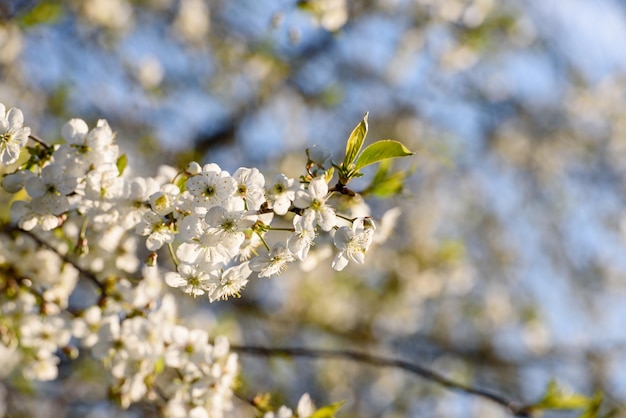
(316, 205)
(279, 188)
(209, 191)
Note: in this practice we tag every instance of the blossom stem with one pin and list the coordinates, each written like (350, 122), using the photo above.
(82, 246)
(39, 141)
(264, 242)
(281, 229)
(345, 217)
(180, 173)
(172, 254)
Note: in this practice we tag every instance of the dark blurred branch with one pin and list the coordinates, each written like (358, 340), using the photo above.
(512, 406)
(39, 140)
(85, 273)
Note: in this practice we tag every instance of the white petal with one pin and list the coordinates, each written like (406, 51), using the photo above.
(339, 262)
(74, 131)
(11, 153)
(281, 205)
(155, 241)
(15, 118)
(326, 218)
(174, 279)
(302, 199)
(343, 236)
(318, 188)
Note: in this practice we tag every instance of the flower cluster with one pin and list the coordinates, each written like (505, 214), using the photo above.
(87, 215)
(213, 222)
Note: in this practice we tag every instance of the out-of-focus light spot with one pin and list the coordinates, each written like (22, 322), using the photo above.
(193, 20)
(113, 14)
(150, 73)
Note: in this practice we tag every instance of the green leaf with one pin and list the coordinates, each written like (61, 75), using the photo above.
(593, 409)
(555, 398)
(159, 366)
(121, 163)
(355, 142)
(328, 176)
(385, 184)
(381, 150)
(328, 411)
(43, 12)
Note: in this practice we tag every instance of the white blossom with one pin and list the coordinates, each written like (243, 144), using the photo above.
(191, 280)
(274, 263)
(313, 201)
(353, 242)
(281, 193)
(301, 240)
(164, 201)
(229, 226)
(250, 183)
(212, 187)
(159, 232)
(230, 281)
(49, 192)
(13, 135)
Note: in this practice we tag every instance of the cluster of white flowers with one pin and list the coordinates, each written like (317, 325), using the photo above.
(133, 331)
(86, 214)
(213, 222)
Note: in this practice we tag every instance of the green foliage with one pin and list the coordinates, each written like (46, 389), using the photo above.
(327, 411)
(377, 152)
(355, 142)
(386, 183)
(381, 150)
(43, 12)
(556, 398)
(121, 163)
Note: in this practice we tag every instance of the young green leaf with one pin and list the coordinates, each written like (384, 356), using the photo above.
(43, 12)
(556, 398)
(593, 409)
(355, 142)
(386, 183)
(328, 176)
(121, 163)
(327, 411)
(381, 150)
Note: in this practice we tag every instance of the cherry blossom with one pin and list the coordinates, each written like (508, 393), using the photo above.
(313, 201)
(353, 242)
(274, 263)
(13, 135)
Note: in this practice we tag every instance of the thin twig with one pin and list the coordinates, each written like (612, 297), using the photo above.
(39, 140)
(514, 407)
(85, 273)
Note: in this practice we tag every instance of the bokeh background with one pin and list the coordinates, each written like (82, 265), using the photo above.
(507, 266)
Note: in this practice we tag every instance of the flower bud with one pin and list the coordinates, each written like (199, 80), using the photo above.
(151, 260)
(14, 182)
(193, 168)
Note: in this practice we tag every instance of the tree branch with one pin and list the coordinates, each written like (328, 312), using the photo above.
(39, 140)
(516, 408)
(85, 273)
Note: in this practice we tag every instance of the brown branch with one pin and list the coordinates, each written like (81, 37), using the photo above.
(85, 273)
(39, 141)
(516, 408)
